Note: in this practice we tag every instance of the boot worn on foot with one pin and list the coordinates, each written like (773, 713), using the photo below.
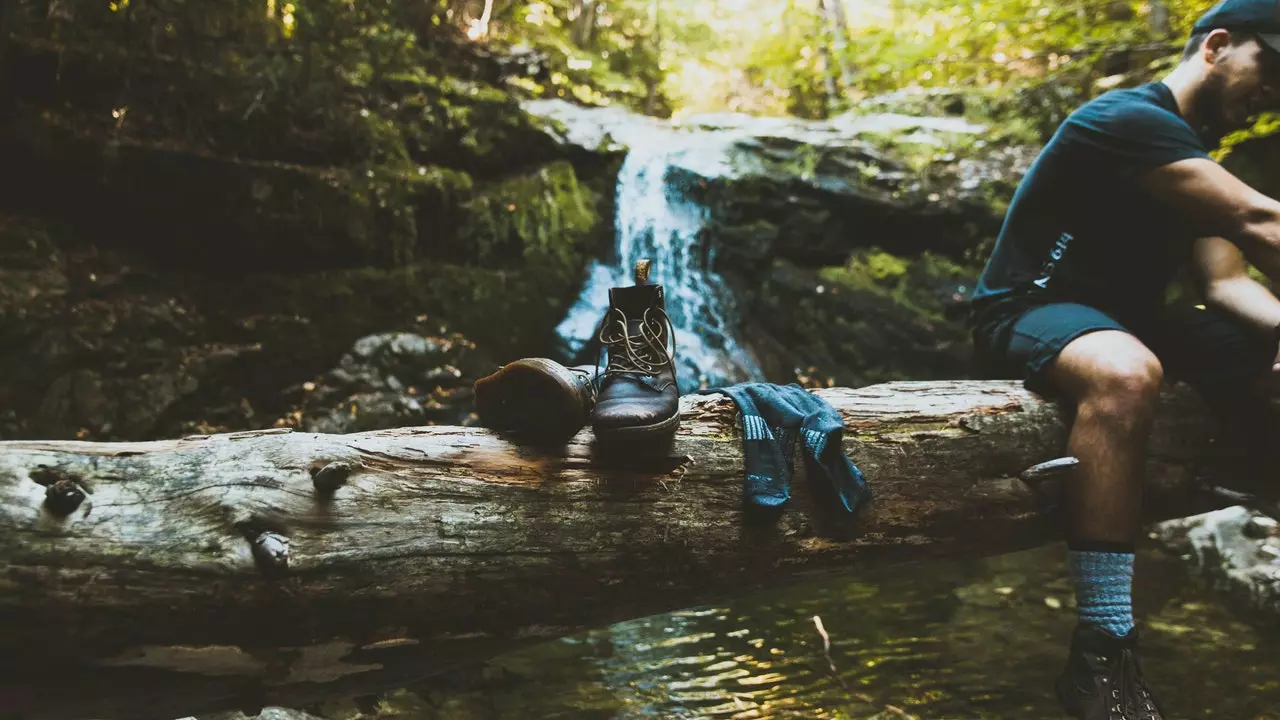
(1103, 678)
(639, 397)
(537, 398)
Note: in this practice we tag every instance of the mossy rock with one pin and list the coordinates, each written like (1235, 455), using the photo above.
(878, 318)
(540, 220)
(466, 125)
(501, 263)
(208, 106)
(193, 210)
(519, 254)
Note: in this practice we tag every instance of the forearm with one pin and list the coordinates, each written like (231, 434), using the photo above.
(1247, 298)
(1260, 239)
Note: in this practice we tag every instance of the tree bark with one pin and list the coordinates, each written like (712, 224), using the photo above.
(1161, 24)
(829, 69)
(653, 83)
(840, 40)
(482, 25)
(6, 26)
(584, 23)
(166, 590)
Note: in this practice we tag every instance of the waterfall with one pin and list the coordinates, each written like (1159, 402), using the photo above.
(656, 220)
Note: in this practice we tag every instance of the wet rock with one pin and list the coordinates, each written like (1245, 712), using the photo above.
(1234, 550)
(610, 129)
(900, 181)
(392, 380)
(267, 713)
(878, 318)
(95, 348)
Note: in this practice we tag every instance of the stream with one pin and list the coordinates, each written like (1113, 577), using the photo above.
(967, 640)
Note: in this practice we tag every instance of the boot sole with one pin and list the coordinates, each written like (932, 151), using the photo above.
(528, 401)
(1070, 708)
(664, 428)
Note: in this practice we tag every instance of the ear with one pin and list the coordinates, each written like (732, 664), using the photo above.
(1214, 43)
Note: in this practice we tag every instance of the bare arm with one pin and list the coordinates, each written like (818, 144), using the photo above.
(1220, 267)
(1224, 206)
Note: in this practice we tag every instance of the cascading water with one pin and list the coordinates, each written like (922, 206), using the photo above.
(657, 221)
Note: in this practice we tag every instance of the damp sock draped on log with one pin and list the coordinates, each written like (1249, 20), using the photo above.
(773, 418)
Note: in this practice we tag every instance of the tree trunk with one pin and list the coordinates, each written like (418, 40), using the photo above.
(482, 25)
(829, 67)
(655, 19)
(275, 567)
(584, 23)
(840, 39)
(1161, 23)
(7, 13)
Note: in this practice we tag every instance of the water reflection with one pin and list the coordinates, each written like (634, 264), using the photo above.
(965, 640)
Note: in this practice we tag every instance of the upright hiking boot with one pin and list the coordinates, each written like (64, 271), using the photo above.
(639, 398)
(1103, 678)
(537, 399)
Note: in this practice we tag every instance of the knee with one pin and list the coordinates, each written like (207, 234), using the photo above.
(1124, 394)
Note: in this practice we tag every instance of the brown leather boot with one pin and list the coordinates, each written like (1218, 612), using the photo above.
(639, 398)
(537, 399)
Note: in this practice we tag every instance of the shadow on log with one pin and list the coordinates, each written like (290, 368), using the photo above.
(161, 579)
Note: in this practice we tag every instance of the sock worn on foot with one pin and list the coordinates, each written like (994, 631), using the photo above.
(1104, 588)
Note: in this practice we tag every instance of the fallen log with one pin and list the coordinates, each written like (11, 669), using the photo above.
(160, 579)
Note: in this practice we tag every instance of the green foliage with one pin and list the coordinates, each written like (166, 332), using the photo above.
(387, 81)
(1265, 125)
(376, 82)
(308, 59)
(531, 220)
(919, 284)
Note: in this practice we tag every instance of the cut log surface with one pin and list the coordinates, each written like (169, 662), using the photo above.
(159, 579)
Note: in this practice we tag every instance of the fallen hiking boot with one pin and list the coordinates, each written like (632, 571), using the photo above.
(1103, 678)
(639, 397)
(537, 398)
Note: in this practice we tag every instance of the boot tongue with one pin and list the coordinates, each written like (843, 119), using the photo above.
(633, 301)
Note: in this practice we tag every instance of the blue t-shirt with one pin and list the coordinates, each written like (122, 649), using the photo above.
(1080, 228)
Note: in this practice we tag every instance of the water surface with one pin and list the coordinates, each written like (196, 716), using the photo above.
(962, 640)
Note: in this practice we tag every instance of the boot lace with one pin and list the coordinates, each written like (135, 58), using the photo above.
(636, 353)
(1127, 687)
(589, 379)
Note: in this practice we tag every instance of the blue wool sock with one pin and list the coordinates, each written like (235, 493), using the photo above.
(1104, 589)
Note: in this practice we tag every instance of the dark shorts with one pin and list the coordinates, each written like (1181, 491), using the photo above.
(1211, 350)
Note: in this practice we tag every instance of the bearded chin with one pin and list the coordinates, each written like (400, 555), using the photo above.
(1210, 101)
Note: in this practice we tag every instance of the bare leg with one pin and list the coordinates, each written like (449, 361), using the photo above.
(1115, 382)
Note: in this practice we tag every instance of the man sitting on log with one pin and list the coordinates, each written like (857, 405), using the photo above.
(1073, 301)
